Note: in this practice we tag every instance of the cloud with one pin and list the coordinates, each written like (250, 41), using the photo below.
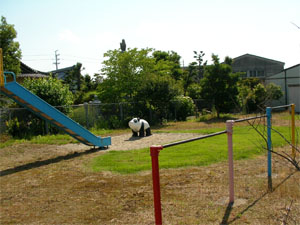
(69, 36)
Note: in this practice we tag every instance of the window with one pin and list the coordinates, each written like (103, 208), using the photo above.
(253, 73)
(260, 73)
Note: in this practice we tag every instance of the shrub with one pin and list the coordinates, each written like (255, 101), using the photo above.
(182, 106)
(52, 91)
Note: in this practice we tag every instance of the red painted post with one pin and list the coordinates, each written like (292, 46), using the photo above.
(154, 151)
(229, 129)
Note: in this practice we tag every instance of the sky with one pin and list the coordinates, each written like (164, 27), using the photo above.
(83, 30)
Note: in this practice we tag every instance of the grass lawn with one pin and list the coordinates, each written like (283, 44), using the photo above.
(247, 143)
(58, 139)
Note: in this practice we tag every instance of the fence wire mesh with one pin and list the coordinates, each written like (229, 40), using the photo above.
(104, 115)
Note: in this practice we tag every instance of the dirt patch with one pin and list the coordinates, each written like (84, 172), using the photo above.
(126, 141)
(48, 184)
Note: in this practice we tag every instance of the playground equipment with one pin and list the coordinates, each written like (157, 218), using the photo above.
(36, 105)
(155, 150)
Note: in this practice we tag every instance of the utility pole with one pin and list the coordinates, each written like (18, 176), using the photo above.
(56, 59)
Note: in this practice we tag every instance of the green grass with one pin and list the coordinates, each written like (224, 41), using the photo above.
(247, 144)
(194, 131)
(58, 139)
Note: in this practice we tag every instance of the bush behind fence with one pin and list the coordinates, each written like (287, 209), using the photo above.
(98, 115)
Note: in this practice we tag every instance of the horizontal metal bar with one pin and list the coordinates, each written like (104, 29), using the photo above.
(194, 139)
(249, 118)
(281, 106)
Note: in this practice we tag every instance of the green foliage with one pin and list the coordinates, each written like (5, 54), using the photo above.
(201, 66)
(88, 83)
(74, 78)
(219, 86)
(189, 76)
(157, 92)
(89, 96)
(112, 123)
(253, 96)
(194, 91)
(141, 76)
(169, 60)
(274, 92)
(52, 91)
(183, 106)
(124, 72)
(11, 49)
(16, 128)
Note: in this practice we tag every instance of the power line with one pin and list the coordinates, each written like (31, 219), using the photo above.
(36, 59)
(82, 57)
(34, 55)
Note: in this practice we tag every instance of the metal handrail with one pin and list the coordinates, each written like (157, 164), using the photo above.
(9, 73)
(194, 139)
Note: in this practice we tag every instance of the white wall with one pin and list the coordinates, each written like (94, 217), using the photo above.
(292, 83)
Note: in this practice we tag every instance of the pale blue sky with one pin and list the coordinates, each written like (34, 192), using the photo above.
(82, 30)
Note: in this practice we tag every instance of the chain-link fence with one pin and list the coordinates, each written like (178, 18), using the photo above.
(105, 115)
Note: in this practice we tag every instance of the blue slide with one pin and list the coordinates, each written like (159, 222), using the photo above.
(47, 112)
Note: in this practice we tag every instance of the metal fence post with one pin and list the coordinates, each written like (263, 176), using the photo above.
(229, 129)
(121, 111)
(154, 152)
(269, 127)
(86, 106)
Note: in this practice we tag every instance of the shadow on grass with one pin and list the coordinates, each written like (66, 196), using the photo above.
(46, 162)
(239, 215)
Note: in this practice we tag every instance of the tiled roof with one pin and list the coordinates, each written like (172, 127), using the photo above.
(33, 75)
(28, 70)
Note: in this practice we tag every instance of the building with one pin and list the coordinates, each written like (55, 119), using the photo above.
(289, 82)
(28, 72)
(256, 66)
(63, 72)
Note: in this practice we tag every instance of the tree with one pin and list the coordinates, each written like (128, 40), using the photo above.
(124, 73)
(52, 91)
(199, 58)
(157, 92)
(11, 49)
(88, 83)
(254, 96)
(74, 78)
(189, 76)
(171, 60)
(219, 86)
(141, 77)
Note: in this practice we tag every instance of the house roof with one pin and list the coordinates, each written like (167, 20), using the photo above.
(28, 70)
(259, 57)
(66, 69)
(291, 67)
(33, 75)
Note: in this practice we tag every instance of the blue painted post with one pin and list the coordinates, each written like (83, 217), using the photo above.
(269, 127)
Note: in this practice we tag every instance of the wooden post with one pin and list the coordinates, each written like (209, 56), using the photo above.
(1, 69)
(154, 152)
(293, 131)
(229, 129)
(269, 127)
